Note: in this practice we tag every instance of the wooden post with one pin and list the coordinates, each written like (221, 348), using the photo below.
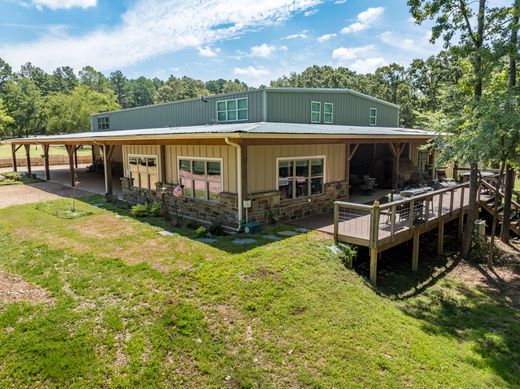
(107, 163)
(76, 157)
(162, 156)
(70, 152)
(347, 169)
(46, 162)
(13, 156)
(452, 196)
(245, 193)
(440, 238)
(415, 253)
(461, 224)
(28, 156)
(393, 212)
(396, 150)
(336, 222)
(93, 151)
(440, 205)
(411, 213)
(373, 240)
(373, 265)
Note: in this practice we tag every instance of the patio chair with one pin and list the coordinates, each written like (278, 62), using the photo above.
(368, 185)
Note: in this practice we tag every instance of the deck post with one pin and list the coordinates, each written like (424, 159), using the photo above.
(107, 159)
(415, 253)
(393, 212)
(13, 156)
(411, 213)
(440, 239)
(70, 152)
(28, 157)
(452, 196)
(461, 224)
(336, 222)
(162, 156)
(439, 211)
(46, 162)
(347, 169)
(76, 156)
(373, 240)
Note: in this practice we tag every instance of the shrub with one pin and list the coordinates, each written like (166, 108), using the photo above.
(347, 254)
(15, 176)
(201, 231)
(155, 209)
(216, 227)
(139, 210)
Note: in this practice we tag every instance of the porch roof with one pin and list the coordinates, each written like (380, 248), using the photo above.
(237, 130)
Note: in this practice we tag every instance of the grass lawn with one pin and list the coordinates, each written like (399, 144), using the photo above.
(131, 308)
(14, 178)
(36, 151)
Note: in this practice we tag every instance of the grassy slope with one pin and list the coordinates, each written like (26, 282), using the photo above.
(36, 151)
(281, 314)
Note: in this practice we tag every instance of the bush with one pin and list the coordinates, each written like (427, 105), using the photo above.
(15, 176)
(347, 254)
(155, 209)
(201, 231)
(139, 210)
(216, 227)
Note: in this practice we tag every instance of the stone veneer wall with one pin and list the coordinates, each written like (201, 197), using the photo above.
(266, 207)
(225, 209)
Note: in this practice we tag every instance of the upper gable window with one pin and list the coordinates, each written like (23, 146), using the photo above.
(232, 110)
(315, 112)
(373, 116)
(103, 123)
(328, 113)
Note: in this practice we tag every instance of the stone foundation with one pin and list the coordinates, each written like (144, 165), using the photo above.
(205, 212)
(267, 207)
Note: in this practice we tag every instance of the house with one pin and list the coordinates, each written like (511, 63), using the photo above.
(271, 153)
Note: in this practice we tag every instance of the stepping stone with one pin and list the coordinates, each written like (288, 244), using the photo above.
(244, 241)
(205, 240)
(301, 229)
(287, 233)
(272, 237)
(334, 249)
(165, 233)
(119, 216)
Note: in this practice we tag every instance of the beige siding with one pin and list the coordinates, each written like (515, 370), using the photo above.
(140, 149)
(227, 153)
(261, 163)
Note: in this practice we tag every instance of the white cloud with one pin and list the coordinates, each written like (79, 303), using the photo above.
(389, 38)
(301, 35)
(365, 20)
(251, 71)
(264, 50)
(345, 54)
(340, 1)
(208, 51)
(150, 28)
(326, 37)
(367, 65)
(311, 12)
(64, 4)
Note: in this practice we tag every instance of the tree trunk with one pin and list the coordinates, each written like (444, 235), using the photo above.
(508, 194)
(495, 215)
(472, 211)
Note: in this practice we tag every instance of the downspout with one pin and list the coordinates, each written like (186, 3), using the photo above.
(239, 176)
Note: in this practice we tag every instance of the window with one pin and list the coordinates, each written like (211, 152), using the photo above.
(202, 179)
(143, 170)
(315, 112)
(103, 123)
(300, 177)
(373, 116)
(328, 112)
(232, 110)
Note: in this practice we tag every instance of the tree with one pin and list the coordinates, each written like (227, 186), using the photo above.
(141, 92)
(5, 72)
(452, 17)
(119, 84)
(5, 120)
(69, 113)
(95, 80)
(63, 79)
(40, 78)
(180, 89)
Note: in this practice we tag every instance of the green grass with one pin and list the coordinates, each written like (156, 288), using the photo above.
(36, 151)
(15, 178)
(132, 308)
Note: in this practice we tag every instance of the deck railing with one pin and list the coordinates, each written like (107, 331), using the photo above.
(367, 225)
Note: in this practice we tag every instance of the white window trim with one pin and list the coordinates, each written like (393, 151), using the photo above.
(134, 155)
(226, 111)
(280, 159)
(319, 112)
(101, 118)
(374, 116)
(206, 159)
(331, 114)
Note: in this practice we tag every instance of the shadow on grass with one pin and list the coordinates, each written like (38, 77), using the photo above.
(223, 242)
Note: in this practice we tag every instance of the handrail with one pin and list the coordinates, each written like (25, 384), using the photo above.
(491, 187)
(356, 206)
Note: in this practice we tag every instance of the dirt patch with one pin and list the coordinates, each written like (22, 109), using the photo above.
(104, 227)
(14, 289)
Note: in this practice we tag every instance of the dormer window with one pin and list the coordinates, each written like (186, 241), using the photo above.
(373, 116)
(328, 113)
(232, 110)
(315, 112)
(103, 123)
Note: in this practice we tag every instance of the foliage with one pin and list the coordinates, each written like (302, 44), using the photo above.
(201, 231)
(346, 254)
(216, 227)
(61, 210)
(155, 209)
(180, 89)
(139, 210)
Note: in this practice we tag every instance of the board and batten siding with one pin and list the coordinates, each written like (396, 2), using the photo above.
(261, 163)
(177, 114)
(171, 152)
(349, 109)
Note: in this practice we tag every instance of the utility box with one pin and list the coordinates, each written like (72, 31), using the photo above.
(480, 227)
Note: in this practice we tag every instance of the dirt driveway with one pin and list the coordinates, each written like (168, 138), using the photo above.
(32, 193)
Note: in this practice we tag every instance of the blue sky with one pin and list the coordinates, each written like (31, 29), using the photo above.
(253, 40)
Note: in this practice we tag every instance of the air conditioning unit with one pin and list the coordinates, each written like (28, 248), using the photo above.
(480, 227)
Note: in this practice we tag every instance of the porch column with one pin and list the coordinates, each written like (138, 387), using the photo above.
(108, 150)
(415, 251)
(13, 156)
(245, 193)
(349, 153)
(396, 149)
(46, 162)
(28, 156)
(70, 152)
(76, 156)
(162, 155)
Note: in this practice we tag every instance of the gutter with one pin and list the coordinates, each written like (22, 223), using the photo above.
(239, 177)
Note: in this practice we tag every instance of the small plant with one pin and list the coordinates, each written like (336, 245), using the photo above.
(201, 231)
(155, 209)
(347, 254)
(190, 224)
(216, 227)
(139, 210)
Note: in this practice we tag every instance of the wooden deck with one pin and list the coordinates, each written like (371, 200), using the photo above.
(380, 227)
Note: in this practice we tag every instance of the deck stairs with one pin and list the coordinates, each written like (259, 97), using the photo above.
(487, 195)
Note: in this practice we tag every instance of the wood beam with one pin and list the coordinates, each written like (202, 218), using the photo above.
(46, 162)
(13, 156)
(245, 193)
(107, 159)
(440, 238)
(415, 250)
(373, 265)
(347, 169)
(28, 156)
(162, 156)
(353, 151)
(70, 152)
